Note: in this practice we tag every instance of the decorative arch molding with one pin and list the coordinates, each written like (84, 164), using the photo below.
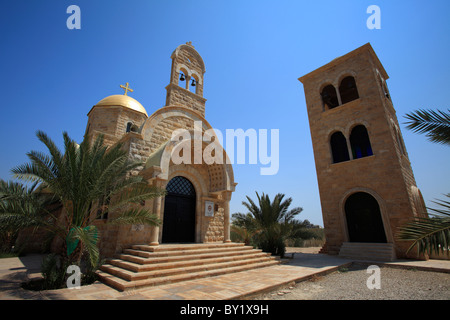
(151, 123)
(352, 124)
(334, 130)
(325, 83)
(190, 49)
(381, 204)
(221, 176)
(344, 74)
(337, 81)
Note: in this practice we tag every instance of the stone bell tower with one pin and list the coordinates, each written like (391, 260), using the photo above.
(186, 79)
(366, 183)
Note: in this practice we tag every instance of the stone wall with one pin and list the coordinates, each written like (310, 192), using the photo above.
(112, 122)
(178, 96)
(214, 227)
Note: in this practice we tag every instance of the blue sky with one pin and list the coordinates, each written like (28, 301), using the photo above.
(254, 52)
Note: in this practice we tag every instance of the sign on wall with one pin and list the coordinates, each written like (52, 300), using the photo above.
(209, 209)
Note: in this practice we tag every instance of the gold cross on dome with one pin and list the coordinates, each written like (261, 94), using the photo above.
(126, 88)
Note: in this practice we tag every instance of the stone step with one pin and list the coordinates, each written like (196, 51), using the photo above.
(137, 267)
(368, 251)
(123, 285)
(155, 273)
(144, 265)
(186, 246)
(368, 245)
(136, 256)
(142, 252)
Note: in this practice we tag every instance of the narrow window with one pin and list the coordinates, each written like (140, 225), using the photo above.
(348, 90)
(182, 79)
(102, 212)
(384, 87)
(193, 85)
(129, 125)
(329, 97)
(400, 142)
(339, 147)
(360, 142)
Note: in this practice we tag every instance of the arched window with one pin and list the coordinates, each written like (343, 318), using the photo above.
(129, 125)
(360, 142)
(384, 86)
(180, 186)
(339, 147)
(348, 90)
(329, 97)
(193, 85)
(182, 79)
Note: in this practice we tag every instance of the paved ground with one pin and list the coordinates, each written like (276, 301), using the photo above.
(306, 263)
(352, 284)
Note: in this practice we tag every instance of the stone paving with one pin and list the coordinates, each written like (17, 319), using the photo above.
(236, 286)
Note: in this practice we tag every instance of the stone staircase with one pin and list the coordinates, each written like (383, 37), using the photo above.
(144, 265)
(368, 251)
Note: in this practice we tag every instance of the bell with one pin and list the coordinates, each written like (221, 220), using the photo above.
(182, 77)
(193, 83)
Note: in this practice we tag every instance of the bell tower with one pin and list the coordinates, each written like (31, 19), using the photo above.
(186, 79)
(366, 183)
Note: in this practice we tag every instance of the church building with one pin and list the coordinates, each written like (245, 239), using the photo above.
(196, 207)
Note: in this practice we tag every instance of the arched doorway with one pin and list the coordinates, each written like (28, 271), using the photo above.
(364, 222)
(179, 211)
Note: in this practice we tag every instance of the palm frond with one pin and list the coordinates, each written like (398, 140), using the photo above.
(435, 124)
(136, 216)
(429, 234)
(88, 237)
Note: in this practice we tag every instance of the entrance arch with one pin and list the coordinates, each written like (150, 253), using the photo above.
(179, 211)
(364, 221)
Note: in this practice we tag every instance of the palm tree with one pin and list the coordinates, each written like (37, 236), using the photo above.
(429, 234)
(435, 124)
(269, 221)
(88, 180)
(20, 207)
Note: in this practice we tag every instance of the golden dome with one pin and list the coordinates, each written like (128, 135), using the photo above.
(124, 101)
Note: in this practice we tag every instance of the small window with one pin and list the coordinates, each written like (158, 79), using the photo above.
(385, 89)
(182, 80)
(360, 142)
(180, 186)
(129, 125)
(102, 212)
(329, 97)
(348, 90)
(193, 85)
(339, 147)
(400, 142)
